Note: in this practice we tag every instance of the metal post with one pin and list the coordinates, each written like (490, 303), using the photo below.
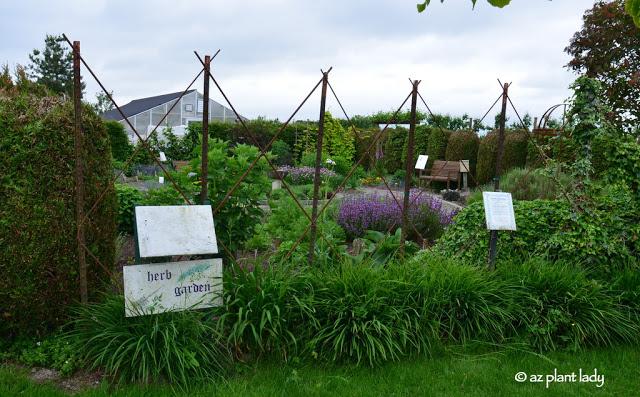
(316, 180)
(77, 108)
(493, 243)
(205, 129)
(409, 166)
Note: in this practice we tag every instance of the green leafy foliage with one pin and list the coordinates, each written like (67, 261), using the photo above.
(241, 212)
(121, 148)
(38, 232)
(337, 141)
(526, 184)
(53, 66)
(601, 237)
(394, 147)
(51, 351)
(607, 49)
(563, 308)
(464, 145)
(420, 144)
(263, 311)
(383, 249)
(437, 145)
(514, 154)
(495, 3)
(178, 347)
(128, 196)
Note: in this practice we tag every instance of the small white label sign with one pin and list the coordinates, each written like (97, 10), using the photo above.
(498, 210)
(175, 230)
(422, 162)
(161, 287)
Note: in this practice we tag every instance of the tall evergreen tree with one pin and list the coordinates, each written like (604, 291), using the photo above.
(53, 66)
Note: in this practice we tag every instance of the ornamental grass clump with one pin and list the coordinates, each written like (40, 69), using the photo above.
(177, 347)
(359, 213)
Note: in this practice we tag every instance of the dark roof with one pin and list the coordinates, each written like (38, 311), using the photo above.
(141, 105)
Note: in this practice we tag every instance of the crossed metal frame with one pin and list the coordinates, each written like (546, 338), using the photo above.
(263, 153)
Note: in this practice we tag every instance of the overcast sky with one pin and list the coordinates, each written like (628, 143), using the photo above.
(272, 51)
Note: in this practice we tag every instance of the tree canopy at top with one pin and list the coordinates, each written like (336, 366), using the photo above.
(53, 66)
(632, 7)
(607, 48)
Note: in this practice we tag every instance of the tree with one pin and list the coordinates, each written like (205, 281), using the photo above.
(103, 103)
(607, 48)
(53, 66)
(632, 7)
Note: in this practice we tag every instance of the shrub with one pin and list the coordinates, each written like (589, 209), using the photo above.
(38, 229)
(121, 148)
(601, 239)
(305, 175)
(263, 310)
(525, 184)
(359, 213)
(241, 212)
(420, 143)
(562, 308)
(394, 147)
(366, 136)
(467, 144)
(437, 145)
(514, 154)
(282, 152)
(128, 196)
(178, 347)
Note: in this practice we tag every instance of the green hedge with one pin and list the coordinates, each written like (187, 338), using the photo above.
(514, 153)
(38, 265)
(394, 147)
(420, 143)
(466, 143)
(437, 145)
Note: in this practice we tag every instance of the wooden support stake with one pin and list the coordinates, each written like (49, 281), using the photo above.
(77, 108)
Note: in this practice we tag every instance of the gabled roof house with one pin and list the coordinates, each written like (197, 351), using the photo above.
(146, 113)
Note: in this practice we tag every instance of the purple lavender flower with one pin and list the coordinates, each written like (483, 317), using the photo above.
(305, 175)
(359, 213)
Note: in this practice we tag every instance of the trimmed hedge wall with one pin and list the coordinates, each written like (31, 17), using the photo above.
(420, 142)
(38, 264)
(394, 147)
(514, 154)
(437, 145)
(466, 143)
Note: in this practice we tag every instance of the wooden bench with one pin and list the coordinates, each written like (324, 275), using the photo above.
(441, 171)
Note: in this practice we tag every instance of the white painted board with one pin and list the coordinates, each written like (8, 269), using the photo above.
(421, 164)
(174, 286)
(175, 230)
(464, 166)
(498, 210)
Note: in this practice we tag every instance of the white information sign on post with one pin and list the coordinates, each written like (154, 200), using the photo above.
(498, 210)
(161, 287)
(421, 164)
(175, 230)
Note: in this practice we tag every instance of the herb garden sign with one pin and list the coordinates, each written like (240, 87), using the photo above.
(168, 231)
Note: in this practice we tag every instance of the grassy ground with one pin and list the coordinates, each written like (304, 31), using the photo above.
(450, 372)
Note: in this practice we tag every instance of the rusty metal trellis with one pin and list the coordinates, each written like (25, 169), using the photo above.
(312, 229)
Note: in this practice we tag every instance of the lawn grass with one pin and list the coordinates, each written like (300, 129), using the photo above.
(450, 372)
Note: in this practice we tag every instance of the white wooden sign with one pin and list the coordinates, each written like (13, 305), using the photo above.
(175, 230)
(421, 164)
(161, 287)
(498, 210)
(464, 166)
